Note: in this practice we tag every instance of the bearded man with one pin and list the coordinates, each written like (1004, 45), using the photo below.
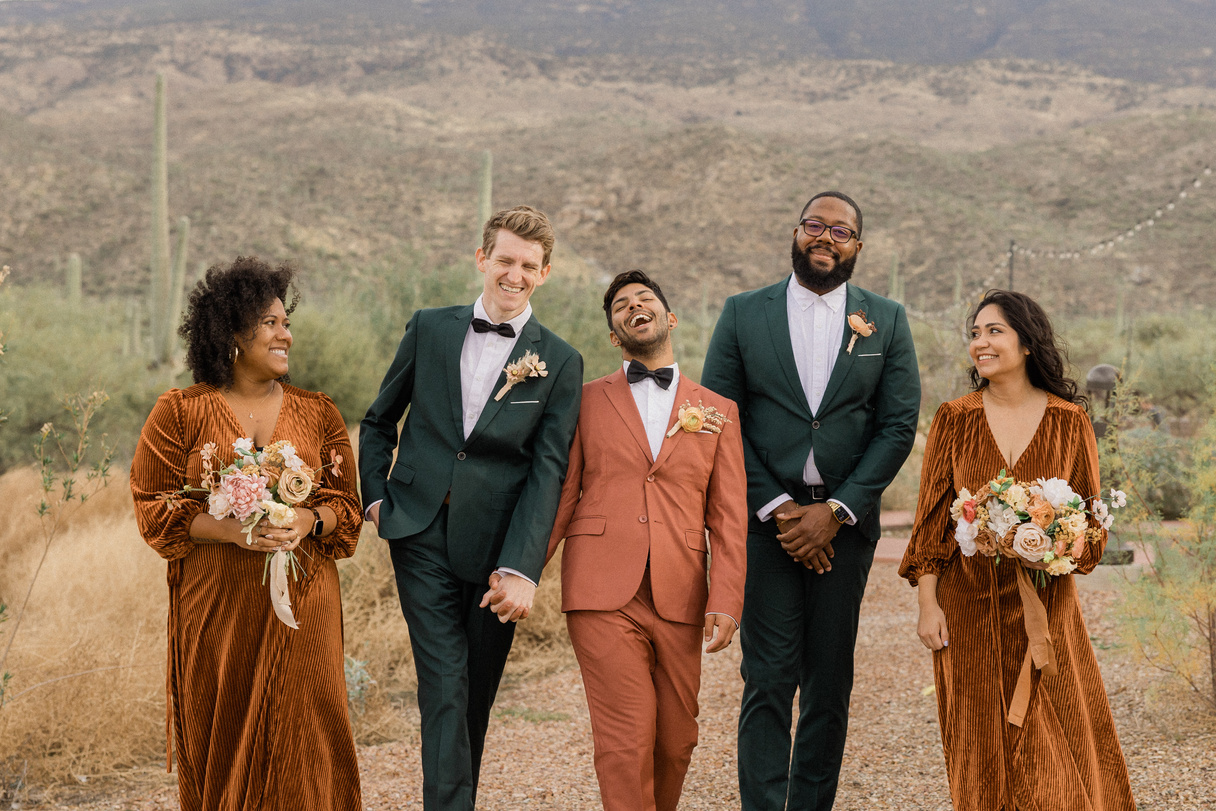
(655, 484)
(825, 378)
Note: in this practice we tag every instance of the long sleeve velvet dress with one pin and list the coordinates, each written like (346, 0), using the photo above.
(259, 710)
(1066, 754)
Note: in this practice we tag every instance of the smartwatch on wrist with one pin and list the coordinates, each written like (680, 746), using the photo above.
(318, 526)
(839, 512)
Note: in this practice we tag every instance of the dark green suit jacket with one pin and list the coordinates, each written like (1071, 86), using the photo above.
(505, 479)
(866, 422)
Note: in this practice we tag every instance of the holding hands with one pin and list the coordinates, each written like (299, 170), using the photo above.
(510, 597)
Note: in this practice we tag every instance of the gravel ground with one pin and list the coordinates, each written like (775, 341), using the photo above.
(539, 751)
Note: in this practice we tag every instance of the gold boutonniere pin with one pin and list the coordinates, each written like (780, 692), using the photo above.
(530, 365)
(699, 417)
(861, 328)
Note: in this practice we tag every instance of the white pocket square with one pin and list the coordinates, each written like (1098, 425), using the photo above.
(871, 355)
(521, 402)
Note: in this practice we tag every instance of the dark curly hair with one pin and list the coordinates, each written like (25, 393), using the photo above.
(1047, 363)
(228, 302)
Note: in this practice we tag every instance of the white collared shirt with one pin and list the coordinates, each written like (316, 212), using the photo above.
(654, 406)
(482, 359)
(816, 326)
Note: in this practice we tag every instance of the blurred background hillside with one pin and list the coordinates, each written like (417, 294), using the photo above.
(675, 136)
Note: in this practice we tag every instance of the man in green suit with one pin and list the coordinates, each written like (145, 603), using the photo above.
(825, 377)
(470, 499)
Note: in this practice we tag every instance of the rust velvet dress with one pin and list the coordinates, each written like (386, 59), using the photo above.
(1066, 754)
(259, 710)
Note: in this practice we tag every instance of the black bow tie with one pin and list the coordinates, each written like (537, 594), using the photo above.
(638, 371)
(504, 329)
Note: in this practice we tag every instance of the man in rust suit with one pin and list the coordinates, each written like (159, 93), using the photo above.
(658, 461)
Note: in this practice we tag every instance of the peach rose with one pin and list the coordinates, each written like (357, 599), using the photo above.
(1031, 542)
(858, 323)
(691, 419)
(295, 485)
(1040, 510)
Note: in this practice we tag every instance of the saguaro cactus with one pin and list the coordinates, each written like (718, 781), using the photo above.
(485, 200)
(159, 292)
(74, 279)
(167, 273)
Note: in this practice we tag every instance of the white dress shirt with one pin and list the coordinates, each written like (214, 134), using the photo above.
(654, 406)
(816, 327)
(482, 359)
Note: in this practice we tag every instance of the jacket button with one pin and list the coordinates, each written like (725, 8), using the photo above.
(815, 425)
(650, 478)
(460, 456)
(642, 518)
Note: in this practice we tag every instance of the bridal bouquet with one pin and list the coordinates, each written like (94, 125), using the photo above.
(261, 484)
(1040, 522)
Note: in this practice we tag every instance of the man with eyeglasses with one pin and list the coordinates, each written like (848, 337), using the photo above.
(825, 377)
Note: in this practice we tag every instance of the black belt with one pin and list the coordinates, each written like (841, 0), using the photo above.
(817, 492)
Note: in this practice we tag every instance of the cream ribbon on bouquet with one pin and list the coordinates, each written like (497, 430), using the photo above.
(280, 600)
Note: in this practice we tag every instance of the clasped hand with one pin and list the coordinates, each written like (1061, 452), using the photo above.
(267, 537)
(806, 533)
(509, 597)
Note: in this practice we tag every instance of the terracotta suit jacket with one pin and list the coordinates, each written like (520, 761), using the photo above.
(620, 507)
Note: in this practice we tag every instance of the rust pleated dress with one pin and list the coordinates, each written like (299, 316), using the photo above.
(259, 710)
(1066, 755)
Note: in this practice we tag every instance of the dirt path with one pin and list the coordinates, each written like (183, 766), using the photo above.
(539, 755)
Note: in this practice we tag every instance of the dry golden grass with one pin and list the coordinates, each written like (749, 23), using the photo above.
(88, 664)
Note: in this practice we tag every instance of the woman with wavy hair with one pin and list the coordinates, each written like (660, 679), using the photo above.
(1052, 743)
(258, 709)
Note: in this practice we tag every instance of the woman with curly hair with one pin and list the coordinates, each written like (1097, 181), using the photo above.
(258, 709)
(1052, 743)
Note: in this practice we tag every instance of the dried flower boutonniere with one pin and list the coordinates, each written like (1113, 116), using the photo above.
(699, 417)
(530, 365)
(861, 328)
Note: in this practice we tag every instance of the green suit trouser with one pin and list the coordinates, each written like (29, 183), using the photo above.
(459, 654)
(798, 633)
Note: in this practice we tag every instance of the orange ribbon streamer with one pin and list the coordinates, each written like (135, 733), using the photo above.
(1039, 651)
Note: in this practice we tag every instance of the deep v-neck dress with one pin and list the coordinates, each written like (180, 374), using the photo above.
(259, 710)
(1066, 754)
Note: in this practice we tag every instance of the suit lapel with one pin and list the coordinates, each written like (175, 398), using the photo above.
(452, 342)
(783, 347)
(619, 394)
(528, 340)
(687, 391)
(854, 300)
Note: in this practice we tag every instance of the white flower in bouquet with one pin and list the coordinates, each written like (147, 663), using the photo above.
(1057, 492)
(279, 515)
(965, 533)
(290, 460)
(244, 444)
(1001, 518)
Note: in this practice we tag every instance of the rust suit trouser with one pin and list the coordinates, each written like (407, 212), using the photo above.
(641, 674)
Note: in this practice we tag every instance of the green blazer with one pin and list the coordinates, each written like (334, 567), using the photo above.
(866, 423)
(505, 479)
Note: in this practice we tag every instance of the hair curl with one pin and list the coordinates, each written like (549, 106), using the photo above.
(227, 303)
(627, 278)
(1047, 362)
